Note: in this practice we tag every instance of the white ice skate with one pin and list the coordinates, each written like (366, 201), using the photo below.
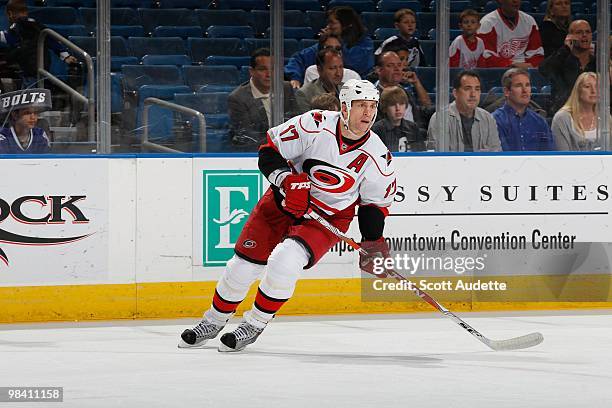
(237, 340)
(200, 334)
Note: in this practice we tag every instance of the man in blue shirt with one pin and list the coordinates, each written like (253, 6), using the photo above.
(19, 134)
(520, 128)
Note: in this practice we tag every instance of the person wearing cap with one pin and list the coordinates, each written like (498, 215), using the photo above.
(21, 136)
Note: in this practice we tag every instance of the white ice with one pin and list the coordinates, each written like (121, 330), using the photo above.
(383, 361)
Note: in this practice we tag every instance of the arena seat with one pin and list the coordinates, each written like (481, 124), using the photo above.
(207, 18)
(178, 31)
(54, 15)
(152, 18)
(141, 46)
(201, 48)
(247, 5)
(127, 31)
(394, 5)
(296, 33)
(290, 45)
(220, 31)
(188, 4)
(119, 16)
(358, 5)
(178, 60)
(316, 19)
(374, 20)
(302, 5)
(198, 76)
(227, 60)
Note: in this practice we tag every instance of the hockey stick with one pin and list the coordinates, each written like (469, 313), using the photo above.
(515, 343)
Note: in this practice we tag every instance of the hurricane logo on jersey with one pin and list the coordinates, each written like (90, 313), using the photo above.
(328, 178)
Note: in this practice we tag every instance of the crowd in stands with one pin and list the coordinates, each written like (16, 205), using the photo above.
(506, 40)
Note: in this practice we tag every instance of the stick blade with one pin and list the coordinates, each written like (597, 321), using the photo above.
(516, 343)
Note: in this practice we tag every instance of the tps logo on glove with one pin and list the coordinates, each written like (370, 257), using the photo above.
(305, 185)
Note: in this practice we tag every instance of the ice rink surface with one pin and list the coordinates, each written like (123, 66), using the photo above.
(382, 361)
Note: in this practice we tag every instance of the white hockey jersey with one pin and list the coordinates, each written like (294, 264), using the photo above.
(505, 45)
(341, 175)
(466, 56)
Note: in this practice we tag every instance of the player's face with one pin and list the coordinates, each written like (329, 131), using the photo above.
(561, 8)
(262, 73)
(510, 7)
(588, 91)
(407, 25)
(519, 93)
(362, 113)
(390, 71)
(333, 25)
(469, 25)
(27, 118)
(468, 94)
(396, 112)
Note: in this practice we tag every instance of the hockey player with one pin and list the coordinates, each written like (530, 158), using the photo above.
(339, 164)
(19, 134)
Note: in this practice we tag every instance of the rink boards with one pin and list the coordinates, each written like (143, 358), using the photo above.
(146, 237)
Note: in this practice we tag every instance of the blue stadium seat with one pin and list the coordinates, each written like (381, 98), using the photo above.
(178, 60)
(131, 3)
(117, 63)
(71, 3)
(244, 74)
(214, 108)
(152, 18)
(127, 31)
(201, 48)
(309, 42)
(207, 18)
(135, 76)
(426, 21)
(490, 77)
(141, 46)
(490, 6)
(220, 31)
(196, 77)
(242, 4)
(302, 5)
(189, 4)
(384, 33)
(539, 18)
(394, 5)
(54, 15)
(453, 33)
(225, 60)
(68, 30)
(291, 45)
(291, 18)
(215, 88)
(119, 46)
(375, 20)
(546, 89)
(116, 92)
(296, 33)
(316, 19)
(161, 120)
(119, 16)
(537, 80)
(427, 75)
(455, 5)
(429, 49)
(358, 5)
(175, 31)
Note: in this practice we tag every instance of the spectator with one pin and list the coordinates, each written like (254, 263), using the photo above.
(330, 67)
(398, 134)
(511, 37)
(22, 41)
(570, 60)
(22, 108)
(466, 50)
(406, 23)
(296, 67)
(470, 128)
(357, 46)
(555, 25)
(312, 73)
(575, 124)
(249, 104)
(519, 127)
(390, 74)
(325, 101)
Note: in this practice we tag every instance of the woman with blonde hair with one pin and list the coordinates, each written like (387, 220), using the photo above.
(574, 126)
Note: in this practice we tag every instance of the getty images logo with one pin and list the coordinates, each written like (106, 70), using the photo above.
(52, 210)
(228, 198)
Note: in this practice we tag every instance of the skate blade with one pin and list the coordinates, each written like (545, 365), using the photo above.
(225, 349)
(182, 344)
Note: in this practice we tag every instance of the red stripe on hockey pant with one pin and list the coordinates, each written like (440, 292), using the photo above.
(224, 306)
(268, 304)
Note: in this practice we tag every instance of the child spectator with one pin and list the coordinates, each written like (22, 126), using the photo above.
(326, 101)
(21, 136)
(398, 134)
(405, 22)
(467, 49)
